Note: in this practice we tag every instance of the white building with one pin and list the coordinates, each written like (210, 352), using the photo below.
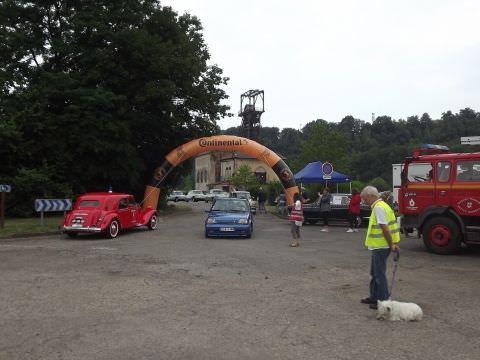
(214, 169)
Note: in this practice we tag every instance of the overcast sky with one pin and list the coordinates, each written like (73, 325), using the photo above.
(328, 59)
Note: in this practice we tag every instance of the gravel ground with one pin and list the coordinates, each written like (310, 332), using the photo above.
(172, 294)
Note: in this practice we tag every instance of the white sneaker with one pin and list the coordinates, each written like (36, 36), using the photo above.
(350, 230)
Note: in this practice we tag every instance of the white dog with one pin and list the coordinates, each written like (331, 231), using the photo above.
(396, 310)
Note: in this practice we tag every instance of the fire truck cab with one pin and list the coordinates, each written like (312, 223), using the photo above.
(440, 196)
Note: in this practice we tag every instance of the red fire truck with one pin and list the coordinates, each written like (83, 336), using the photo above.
(440, 197)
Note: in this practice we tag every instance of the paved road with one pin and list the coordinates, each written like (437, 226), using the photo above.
(172, 294)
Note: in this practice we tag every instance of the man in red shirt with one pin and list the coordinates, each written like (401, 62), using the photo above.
(354, 210)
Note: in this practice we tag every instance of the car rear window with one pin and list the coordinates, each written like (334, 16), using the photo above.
(89, 203)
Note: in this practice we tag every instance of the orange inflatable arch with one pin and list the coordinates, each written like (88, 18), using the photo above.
(219, 143)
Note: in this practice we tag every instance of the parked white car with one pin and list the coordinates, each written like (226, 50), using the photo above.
(196, 195)
(177, 195)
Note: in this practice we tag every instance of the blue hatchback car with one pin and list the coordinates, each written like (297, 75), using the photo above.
(229, 217)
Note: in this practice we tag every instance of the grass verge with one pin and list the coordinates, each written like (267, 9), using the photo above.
(51, 223)
(27, 226)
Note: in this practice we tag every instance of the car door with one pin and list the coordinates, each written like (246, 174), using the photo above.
(419, 189)
(443, 184)
(134, 210)
(124, 213)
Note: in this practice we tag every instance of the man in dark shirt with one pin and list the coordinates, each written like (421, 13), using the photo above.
(262, 197)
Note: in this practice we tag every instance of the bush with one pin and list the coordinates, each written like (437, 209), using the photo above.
(273, 189)
(357, 184)
(380, 184)
(31, 184)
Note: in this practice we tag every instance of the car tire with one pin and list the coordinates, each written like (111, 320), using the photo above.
(176, 200)
(359, 221)
(249, 234)
(441, 235)
(72, 234)
(152, 223)
(113, 229)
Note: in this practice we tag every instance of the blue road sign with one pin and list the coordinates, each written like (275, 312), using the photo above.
(42, 205)
(327, 170)
(5, 188)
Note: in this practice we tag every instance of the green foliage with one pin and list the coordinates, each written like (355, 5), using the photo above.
(244, 179)
(324, 143)
(86, 93)
(86, 90)
(31, 184)
(188, 183)
(273, 189)
(357, 184)
(286, 143)
(380, 184)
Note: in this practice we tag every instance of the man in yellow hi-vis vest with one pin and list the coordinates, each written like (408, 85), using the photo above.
(382, 237)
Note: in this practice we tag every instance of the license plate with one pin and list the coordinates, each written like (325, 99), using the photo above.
(227, 229)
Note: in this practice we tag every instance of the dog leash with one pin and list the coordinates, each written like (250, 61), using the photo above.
(396, 257)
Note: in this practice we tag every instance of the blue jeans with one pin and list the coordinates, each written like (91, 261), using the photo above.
(378, 272)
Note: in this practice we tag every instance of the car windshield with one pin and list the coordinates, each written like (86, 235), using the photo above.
(229, 205)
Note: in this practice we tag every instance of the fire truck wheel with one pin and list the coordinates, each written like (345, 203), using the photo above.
(441, 235)
(113, 229)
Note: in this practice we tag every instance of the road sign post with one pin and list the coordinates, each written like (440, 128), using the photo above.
(3, 189)
(2, 209)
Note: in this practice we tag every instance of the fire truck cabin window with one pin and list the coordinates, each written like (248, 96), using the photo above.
(443, 171)
(468, 170)
(420, 172)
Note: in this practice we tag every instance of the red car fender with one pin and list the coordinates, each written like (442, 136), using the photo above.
(106, 221)
(145, 217)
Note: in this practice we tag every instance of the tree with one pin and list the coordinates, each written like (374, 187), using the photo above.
(87, 87)
(269, 137)
(380, 184)
(245, 179)
(325, 144)
(289, 143)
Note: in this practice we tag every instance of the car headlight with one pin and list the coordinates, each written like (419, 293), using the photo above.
(243, 221)
(211, 221)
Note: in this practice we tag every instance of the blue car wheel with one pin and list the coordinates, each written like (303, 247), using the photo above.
(249, 233)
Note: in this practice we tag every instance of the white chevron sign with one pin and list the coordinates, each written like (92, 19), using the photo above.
(42, 205)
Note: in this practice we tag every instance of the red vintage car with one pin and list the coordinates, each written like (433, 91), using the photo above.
(106, 212)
